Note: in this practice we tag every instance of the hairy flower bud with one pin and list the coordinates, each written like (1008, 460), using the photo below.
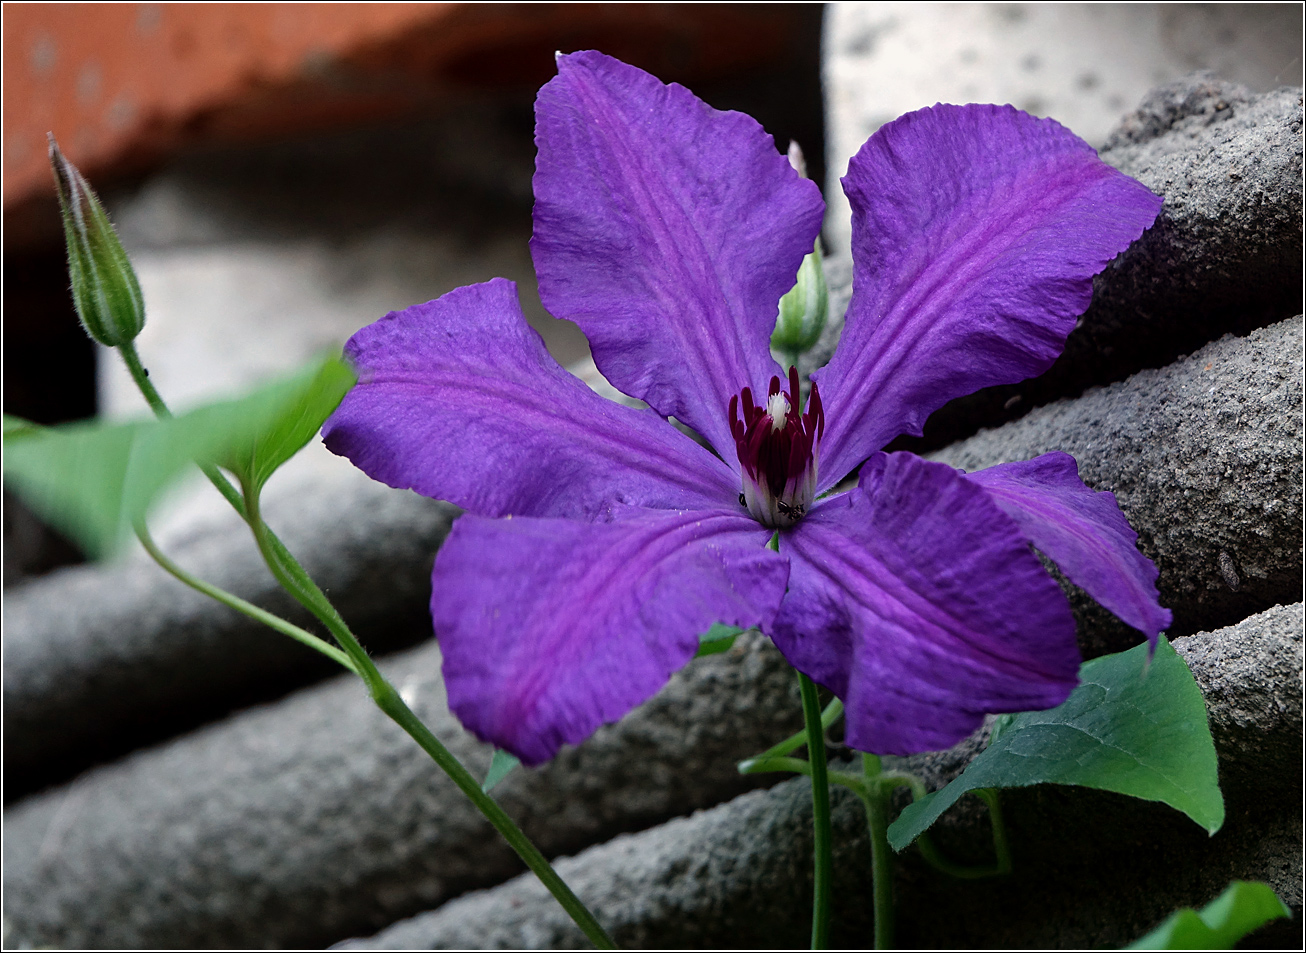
(105, 291)
(803, 308)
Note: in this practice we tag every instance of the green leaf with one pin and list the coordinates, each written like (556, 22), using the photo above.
(272, 425)
(92, 480)
(75, 478)
(1129, 727)
(17, 426)
(500, 765)
(1243, 907)
(719, 638)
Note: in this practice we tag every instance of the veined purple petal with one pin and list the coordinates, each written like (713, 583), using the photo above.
(1083, 532)
(549, 628)
(976, 234)
(458, 399)
(668, 231)
(917, 601)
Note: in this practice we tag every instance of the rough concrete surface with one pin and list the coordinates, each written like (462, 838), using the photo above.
(313, 818)
(1082, 64)
(1252, 680)
(734, 876)
(1204, 458)
(240, 832)
(1092, 869)
(301, 822)
(1224, 256)
(101, 660)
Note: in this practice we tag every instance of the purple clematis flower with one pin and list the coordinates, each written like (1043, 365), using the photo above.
(600, 540)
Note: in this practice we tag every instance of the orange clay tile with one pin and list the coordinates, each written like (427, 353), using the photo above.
(113, 79)
(125, 85)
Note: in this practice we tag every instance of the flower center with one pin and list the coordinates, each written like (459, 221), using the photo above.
(778, 450)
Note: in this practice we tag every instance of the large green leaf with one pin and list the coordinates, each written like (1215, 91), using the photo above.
(1243, 907)
(92, 480)
(269, 427)
(75, 477)
(16, 426)
(1129, 727)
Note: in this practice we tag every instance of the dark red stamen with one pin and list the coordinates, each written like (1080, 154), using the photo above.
(775, 457)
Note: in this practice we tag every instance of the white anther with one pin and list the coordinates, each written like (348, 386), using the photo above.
(777, 407)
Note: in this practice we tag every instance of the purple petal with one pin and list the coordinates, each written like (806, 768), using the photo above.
(976, 233)
(458, 399)
(917, 601)
(1083, 532)
(549, 628)
(668, 231)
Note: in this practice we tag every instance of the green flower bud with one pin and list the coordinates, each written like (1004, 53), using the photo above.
(105, 291)
(803, 308)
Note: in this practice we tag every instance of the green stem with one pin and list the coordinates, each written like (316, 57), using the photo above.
(240, 605)
(940, 863)
(390, 702)
(876, 800)
(220, 482)
(284, 566)
(901, 779)
(794, 741)
(932, 854)
(820, 813)
(768, 765)
(142, 378)
(1001, 847)
(295, 579)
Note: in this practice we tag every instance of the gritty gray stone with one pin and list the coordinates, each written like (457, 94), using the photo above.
(735, 876)
(1225, 254)
(1251, 676)
(238, 834)
(739, 877)
(1081, 64)
(1091, 869)
(316, 818)
(1204, 458)
(101, 660)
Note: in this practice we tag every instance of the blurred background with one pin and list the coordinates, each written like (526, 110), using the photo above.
(284, 174)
